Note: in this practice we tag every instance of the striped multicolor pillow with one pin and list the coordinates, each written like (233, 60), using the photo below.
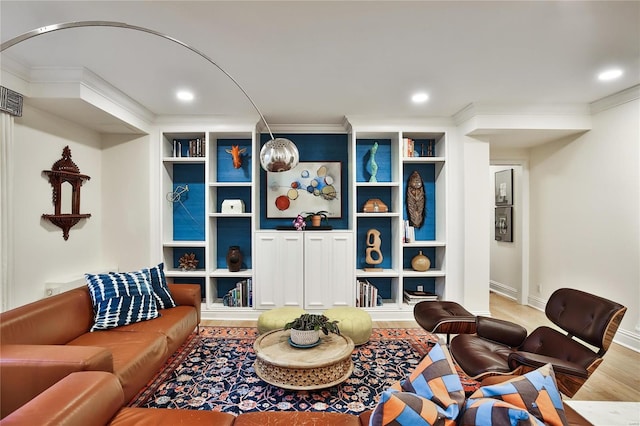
(432, 395)
(121, 299)
(164, 300)
(529, 399)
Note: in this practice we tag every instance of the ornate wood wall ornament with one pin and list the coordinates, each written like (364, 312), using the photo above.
(416, 200)
(65, 170)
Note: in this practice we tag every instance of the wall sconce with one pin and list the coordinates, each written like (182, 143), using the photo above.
(276, 155)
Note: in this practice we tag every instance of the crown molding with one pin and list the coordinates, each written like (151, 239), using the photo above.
(617, 99)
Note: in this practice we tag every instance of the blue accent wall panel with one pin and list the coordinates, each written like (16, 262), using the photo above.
(224, 161)
(427, 232)
(383, 225)
(233, 231)
(313, 147)
(188, 210)
(383, 159)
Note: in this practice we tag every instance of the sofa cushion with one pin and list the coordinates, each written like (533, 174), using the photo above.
(161, 292)
(168, 417)
(120, 299)
(175, 323)
(526, 399)
(137, 357)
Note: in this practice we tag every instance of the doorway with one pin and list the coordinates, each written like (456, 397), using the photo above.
(509, 261)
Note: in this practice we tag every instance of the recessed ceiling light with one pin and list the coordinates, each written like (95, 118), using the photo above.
(419, 98)
(184, 95)
(611, 74)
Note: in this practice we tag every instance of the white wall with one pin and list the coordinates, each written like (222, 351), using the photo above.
(117, 236)
(476, 233)
(40, 253)
(585, 198)
(127, 208)
(505, 272)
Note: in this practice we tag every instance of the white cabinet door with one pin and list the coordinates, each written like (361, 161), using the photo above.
(328, 273)
(279, 269)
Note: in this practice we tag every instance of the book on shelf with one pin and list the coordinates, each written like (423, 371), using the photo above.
(367, 296)
(240, 296)
(195, 148)
(412, 297)
(407, 147)
(409, 233)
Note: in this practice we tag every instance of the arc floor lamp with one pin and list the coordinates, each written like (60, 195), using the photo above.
(276, 155)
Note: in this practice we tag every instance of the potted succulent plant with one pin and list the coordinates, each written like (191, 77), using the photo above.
(305, 330)
(316, 217)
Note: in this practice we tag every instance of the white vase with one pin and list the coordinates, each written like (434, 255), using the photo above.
(304, 337)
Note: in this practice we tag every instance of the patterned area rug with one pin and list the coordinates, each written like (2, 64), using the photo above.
(214, 371)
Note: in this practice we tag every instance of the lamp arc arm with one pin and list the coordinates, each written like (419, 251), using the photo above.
(78, 24)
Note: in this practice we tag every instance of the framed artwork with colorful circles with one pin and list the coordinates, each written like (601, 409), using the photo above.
(308, 187)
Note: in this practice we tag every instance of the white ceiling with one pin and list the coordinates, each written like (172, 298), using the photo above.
(318, 61)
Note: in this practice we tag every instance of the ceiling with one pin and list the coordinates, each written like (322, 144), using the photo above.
(315, 62)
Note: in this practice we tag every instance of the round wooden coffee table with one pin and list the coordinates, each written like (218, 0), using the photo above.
(325, 365)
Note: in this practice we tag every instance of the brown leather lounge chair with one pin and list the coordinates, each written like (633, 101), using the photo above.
(503, 348)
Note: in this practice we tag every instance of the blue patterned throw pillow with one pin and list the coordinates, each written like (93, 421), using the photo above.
(164, 300)
(120, 299)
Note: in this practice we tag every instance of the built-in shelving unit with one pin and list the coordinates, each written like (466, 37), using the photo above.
(194, 187)
(393, 171)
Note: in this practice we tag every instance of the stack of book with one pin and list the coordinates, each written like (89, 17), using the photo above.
(409, 233)
(413, 297)
(367, 295)
(240, 296)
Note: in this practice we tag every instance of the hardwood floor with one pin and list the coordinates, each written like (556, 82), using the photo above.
(616, 379)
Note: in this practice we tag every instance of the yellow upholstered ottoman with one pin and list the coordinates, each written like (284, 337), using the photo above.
(353, 322)
(276, 318)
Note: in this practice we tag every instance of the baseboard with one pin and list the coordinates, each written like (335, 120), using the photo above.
(537, 303)
(503, 290)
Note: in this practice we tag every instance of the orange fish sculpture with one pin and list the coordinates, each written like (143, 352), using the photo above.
(236, 155)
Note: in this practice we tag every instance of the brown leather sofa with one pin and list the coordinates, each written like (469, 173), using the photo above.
(96, 397)
(43, 342)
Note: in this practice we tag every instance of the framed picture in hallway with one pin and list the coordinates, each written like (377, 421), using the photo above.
(504, 187)
(504, 226)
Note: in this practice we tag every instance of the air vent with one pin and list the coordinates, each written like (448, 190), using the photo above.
(10, 102)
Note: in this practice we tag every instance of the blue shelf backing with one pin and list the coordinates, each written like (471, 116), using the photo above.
(224, 162)
(368, 192)
(188, 208)
(411, 252)
(383, 285)
(234, 192)
(178, 252)
(234, 231)
(382, 157)
(428, 284)
(428, 173)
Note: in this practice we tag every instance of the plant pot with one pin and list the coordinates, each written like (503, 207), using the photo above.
(304, 337)
(316, 220)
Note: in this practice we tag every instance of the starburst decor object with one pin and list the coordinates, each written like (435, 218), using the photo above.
(188, 262)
